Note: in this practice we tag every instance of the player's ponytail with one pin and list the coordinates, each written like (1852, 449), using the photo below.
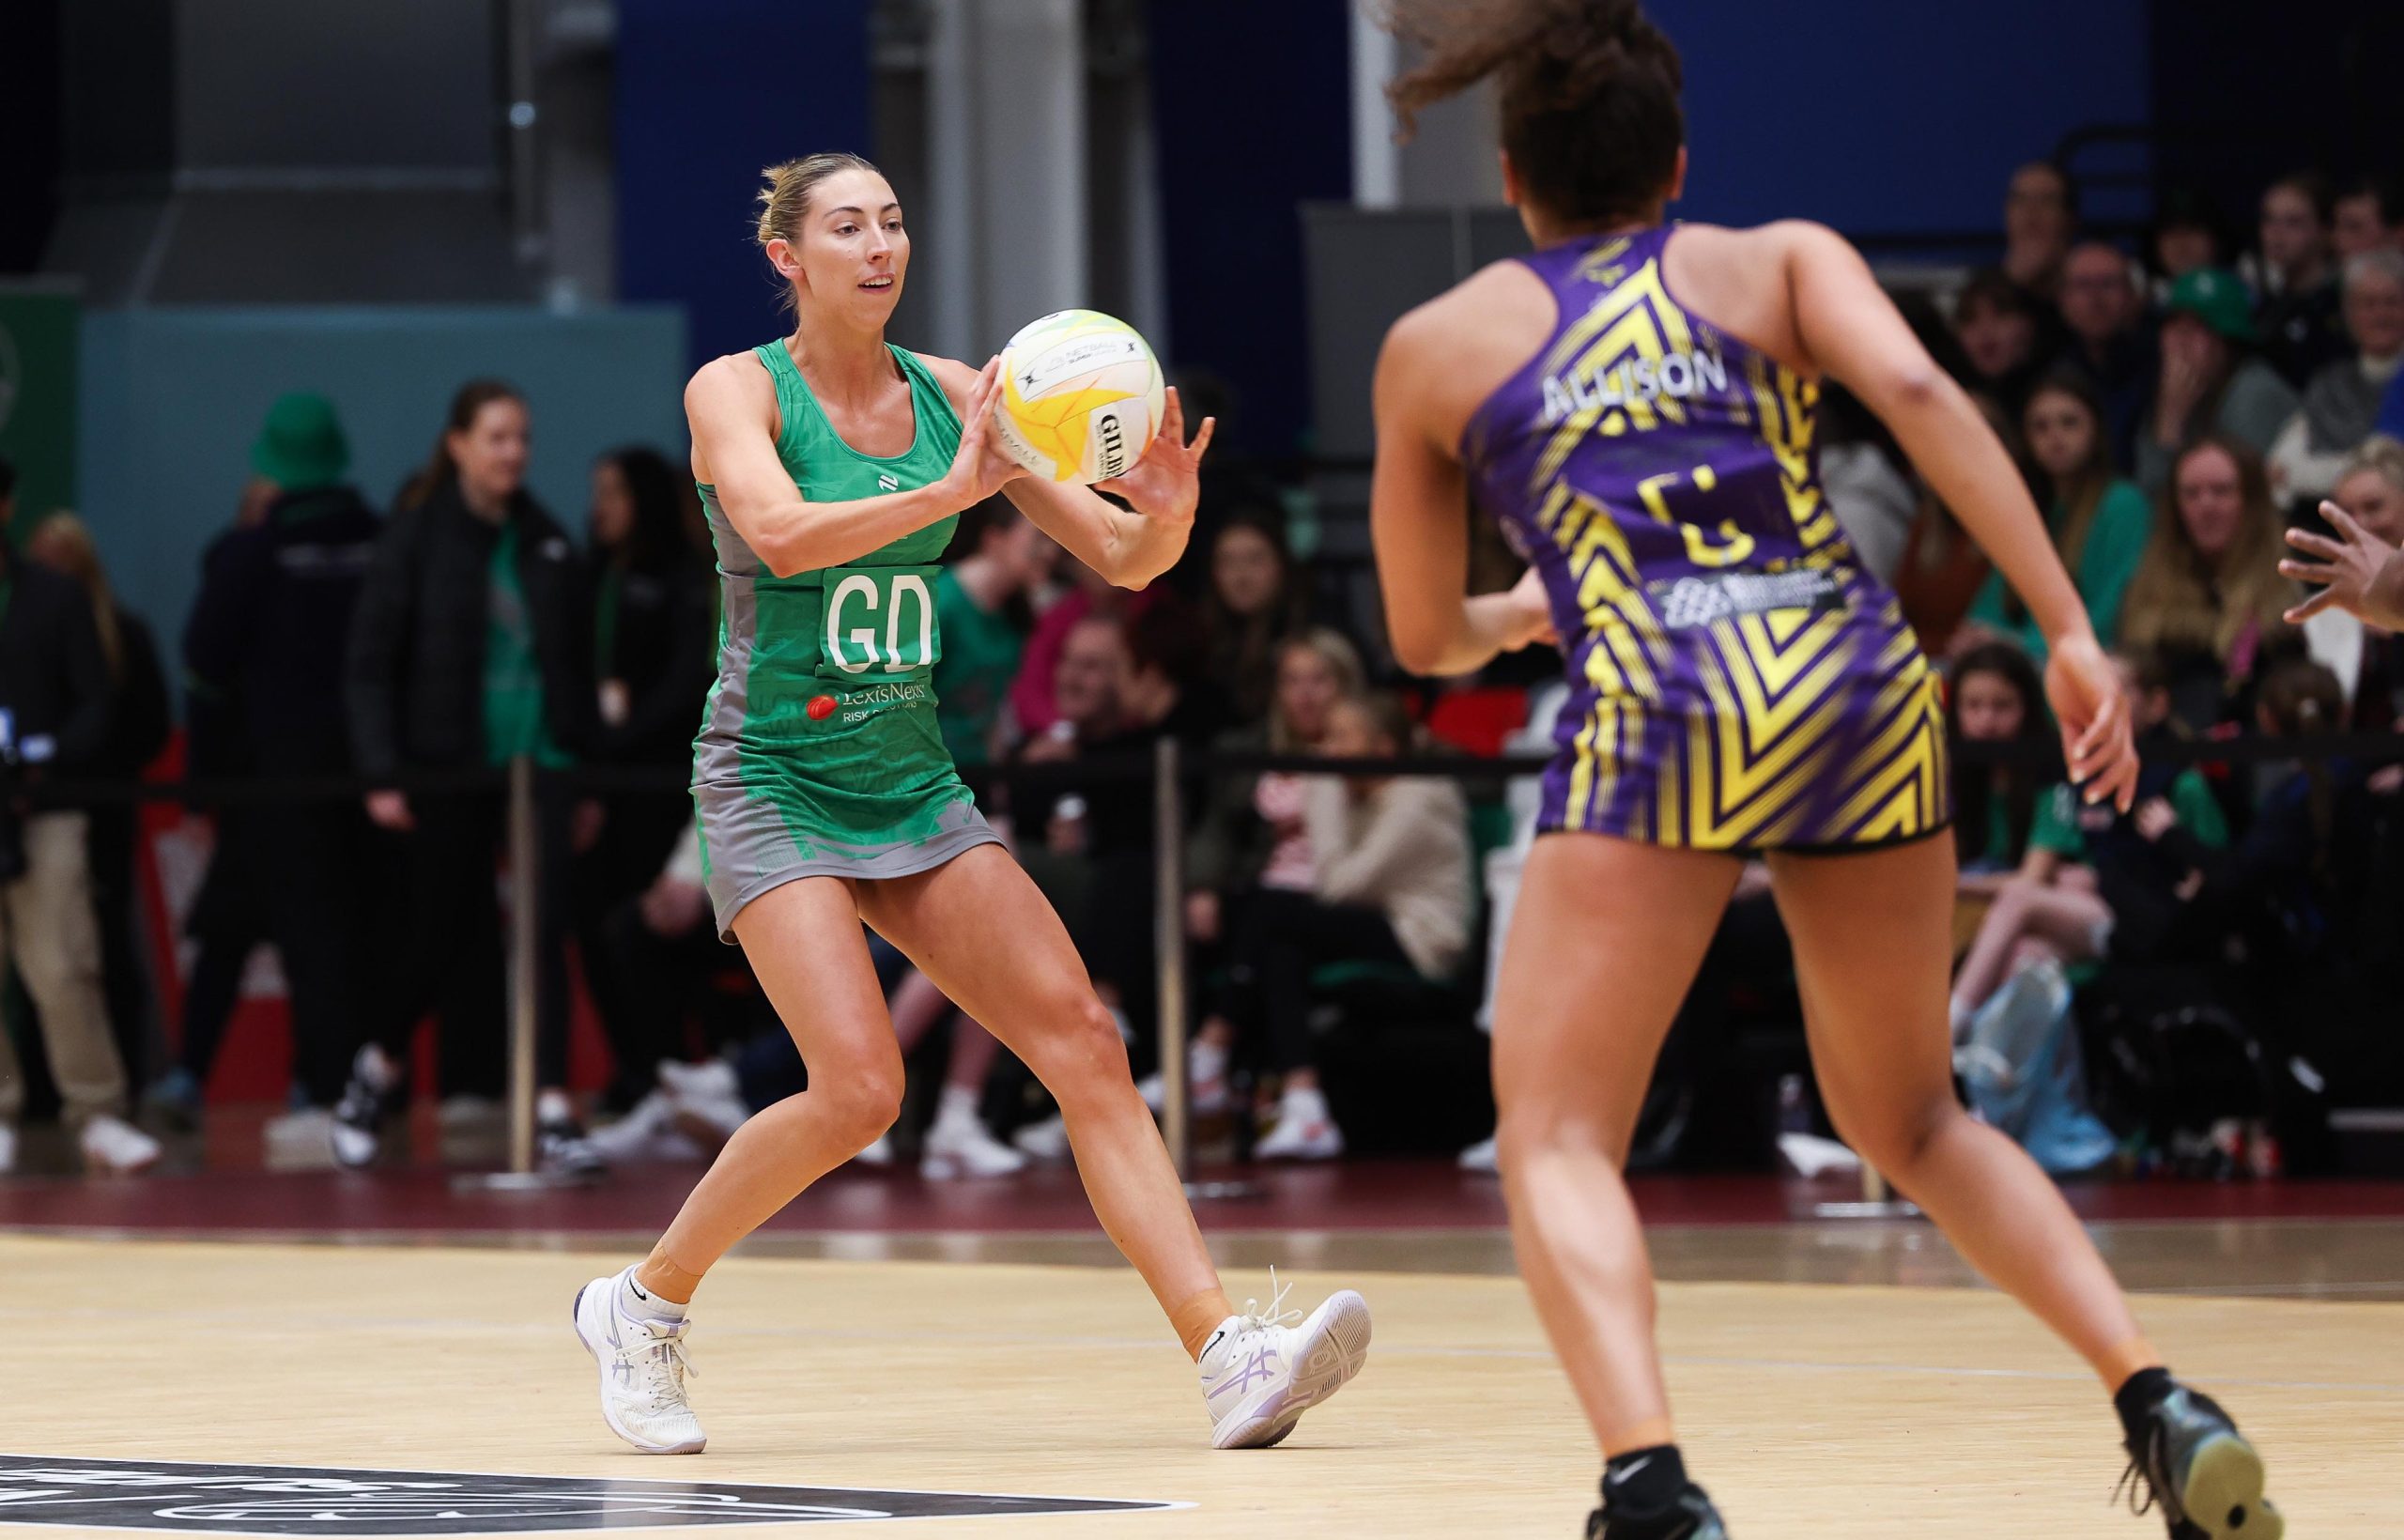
(1589, 92)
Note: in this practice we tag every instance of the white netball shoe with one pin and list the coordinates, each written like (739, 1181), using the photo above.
(958, 1145)
(644, 1371)
(1260, 1374)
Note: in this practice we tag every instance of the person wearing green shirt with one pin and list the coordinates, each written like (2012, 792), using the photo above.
(2092, 878)
(2100, 521)
(997, 556)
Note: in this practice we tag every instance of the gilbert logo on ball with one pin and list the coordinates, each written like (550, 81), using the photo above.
(1082, 396)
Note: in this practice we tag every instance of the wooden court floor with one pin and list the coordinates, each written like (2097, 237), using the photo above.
(1815, 1411)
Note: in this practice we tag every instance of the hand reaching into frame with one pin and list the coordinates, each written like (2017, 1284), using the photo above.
(2359, 573)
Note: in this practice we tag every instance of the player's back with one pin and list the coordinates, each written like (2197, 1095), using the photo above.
(1741, 681)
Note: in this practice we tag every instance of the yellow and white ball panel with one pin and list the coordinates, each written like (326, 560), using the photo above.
(1082, 396)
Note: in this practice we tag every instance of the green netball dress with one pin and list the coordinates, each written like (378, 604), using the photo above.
(819, 753)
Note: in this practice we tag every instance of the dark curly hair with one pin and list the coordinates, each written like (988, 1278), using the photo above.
(1589, 92)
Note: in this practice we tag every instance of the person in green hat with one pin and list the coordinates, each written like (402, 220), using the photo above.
(2211, 379)
(264, 653)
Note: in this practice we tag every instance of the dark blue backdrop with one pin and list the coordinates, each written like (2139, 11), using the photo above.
(708, 93)
(1253, 105)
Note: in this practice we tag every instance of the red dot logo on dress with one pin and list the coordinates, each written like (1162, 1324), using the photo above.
(821, 707)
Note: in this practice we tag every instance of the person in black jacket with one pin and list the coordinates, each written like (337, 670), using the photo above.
(472, 646)
(268, 638)
(53, 721)
(654, 654)
(139, 727)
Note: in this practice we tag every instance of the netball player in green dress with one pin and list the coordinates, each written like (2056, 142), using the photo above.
(834, 466)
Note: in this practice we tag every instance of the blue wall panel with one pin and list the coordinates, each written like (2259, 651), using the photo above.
(1252, 108)
(709, 91)
(1893, 114)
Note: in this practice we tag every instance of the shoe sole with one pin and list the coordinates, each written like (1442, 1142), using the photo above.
(586, 1335)
(2223, 1492)
(1336, 1351)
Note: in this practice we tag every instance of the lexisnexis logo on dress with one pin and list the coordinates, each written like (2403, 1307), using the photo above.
(859, 705)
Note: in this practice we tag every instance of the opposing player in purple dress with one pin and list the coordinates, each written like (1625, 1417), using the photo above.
(1634, 403)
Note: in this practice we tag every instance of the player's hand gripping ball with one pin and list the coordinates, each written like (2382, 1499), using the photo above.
(1081, 396)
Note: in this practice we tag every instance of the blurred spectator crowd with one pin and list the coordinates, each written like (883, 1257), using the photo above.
(2190, 985)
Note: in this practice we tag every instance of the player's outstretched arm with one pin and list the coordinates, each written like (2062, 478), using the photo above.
(1129, 549)
(1852, 329)
(1418, 503)
(732, 408)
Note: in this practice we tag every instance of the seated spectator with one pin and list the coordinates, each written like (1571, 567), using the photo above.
(1996, 322)
(2103, 311)
(2188, 236)
(1088, 595)
(2298, 893)
(2097, 882)
(2341, 403)
(2207, 595)
(1996, 698)
(139, 727)
(997, 559)
(1251, 838)
(663, 954)
(2368, 661)
(1866, 480)
(2208, 382)
(2298, 318)
(1942, 569)
(1390, 886)
(1257, 599)
(2099, 521)
(2365, 219)
(2040, 217)
(55, 689)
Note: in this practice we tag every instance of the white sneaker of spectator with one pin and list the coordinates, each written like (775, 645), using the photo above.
(300, 1140)
(115, 1147)
(1480, 1156)
(1206, 1076)
(1304, 1130)
(960, 1144)
(1044, 1141)
(879, 1154)
(707, 1103)
(648, 1132)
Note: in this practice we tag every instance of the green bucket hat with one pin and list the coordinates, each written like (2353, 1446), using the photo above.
(301, 446)
(2218, 298)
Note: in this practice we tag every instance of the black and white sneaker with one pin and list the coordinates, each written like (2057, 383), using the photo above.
(2188, 1457)
(371, 1098)
(565, 1152)
(1691, 1517)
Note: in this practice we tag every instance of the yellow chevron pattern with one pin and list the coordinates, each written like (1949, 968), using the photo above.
(1797, 736)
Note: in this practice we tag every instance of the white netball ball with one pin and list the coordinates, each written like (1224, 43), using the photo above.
(1081, 397)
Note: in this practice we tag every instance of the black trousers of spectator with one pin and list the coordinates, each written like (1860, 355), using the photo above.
(645, 985)
(317, 863)
(450, 955)
(637, 834)
(110, 836)
(1280, 939)
(229, 920)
